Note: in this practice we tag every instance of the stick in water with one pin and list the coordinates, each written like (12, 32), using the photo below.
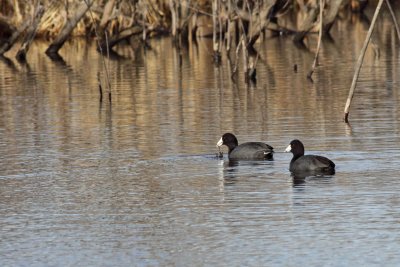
(360, 61)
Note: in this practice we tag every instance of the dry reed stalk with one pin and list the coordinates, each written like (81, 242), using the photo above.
(308, 22)
(331, 12)
(394, 18)
(107, 77)
(106, 15)
(314, 65)
(245, 59)
(144, 15)
(18, 17)
(228, 34)
(360, 61)
(174, 18)
(220, 24)
(216, 40)
(69, 26)
(31, 32)
(237, 51)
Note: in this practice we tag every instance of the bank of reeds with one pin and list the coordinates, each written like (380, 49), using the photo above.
(122, 19)
(233, 24)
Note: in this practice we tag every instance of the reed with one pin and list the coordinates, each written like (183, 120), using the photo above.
(359, 63)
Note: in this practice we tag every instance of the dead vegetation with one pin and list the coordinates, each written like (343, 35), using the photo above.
(233, 25)
(230, 21)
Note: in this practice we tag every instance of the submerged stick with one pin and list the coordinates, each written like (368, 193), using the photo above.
(360, 61)
(100, 87)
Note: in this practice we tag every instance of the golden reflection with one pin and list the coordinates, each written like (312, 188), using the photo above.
(162, 94)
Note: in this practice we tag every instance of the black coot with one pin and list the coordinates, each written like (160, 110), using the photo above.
(249, 150)
(301, 163)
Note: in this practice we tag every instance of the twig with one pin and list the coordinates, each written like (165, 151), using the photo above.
(245, 55)
(396, 25)
(31, 32)
(360, 61)
(102, 56)
(216, 41)
(245, 45)
(235, 68)
(314, 65)
(173, 18)
(196, 9)
(107, 77)
(228, 35)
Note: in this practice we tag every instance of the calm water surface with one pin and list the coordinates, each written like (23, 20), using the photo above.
(137, 183)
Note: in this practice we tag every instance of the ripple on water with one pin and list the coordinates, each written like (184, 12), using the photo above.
(137, 183)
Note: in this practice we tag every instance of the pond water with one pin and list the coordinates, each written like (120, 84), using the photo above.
(137, 183)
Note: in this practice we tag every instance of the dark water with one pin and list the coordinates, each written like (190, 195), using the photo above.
(136, 183)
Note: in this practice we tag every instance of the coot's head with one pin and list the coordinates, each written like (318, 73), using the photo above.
(229, 140)
(296, 147)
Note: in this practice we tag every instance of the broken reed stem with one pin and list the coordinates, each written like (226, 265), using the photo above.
(216, 44)
(396, 25)
(106, 68)
(174, 22)
(220, 28)
(314, 65)
(245, 55)
(242, 44)
(228, 36)
(102, 56)
(144, 33)
(360, 61)
(237, 56)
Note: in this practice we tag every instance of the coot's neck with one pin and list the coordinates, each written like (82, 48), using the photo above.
(297, 155)
(231, 146)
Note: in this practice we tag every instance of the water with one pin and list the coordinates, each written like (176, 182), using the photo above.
(137, 183)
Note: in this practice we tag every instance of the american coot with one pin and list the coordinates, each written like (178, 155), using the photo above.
(249, 150)
(308, 163)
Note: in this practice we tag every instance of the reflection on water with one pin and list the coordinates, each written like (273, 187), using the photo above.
(138, 182)
(300, 180)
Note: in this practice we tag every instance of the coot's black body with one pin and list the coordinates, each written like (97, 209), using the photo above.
(245, 151)
(301, 163)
